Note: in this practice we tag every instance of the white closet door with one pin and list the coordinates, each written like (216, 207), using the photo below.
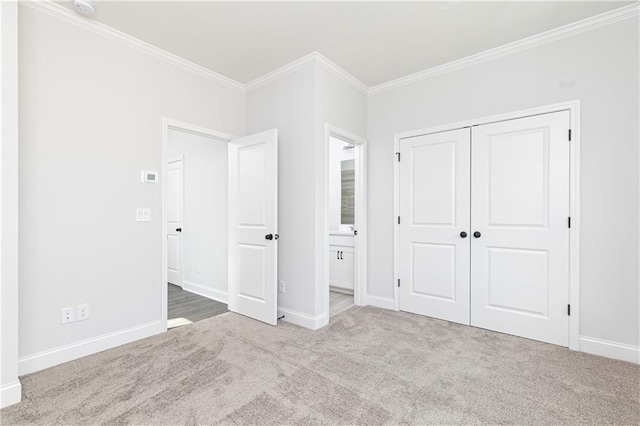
(434, 211)
(520, 241)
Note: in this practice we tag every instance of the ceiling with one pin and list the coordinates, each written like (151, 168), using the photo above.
(374, 41)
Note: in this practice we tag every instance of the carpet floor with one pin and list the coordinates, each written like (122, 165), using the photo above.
(369, 366)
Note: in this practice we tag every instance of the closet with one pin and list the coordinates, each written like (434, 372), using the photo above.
(484, 226)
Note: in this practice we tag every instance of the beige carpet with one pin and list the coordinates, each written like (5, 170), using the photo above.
(370, 366)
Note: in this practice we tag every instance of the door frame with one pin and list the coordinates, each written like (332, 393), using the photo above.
(574, 197)
(170, 124)
(360, 249)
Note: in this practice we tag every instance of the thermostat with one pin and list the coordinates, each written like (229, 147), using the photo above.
(149, 176)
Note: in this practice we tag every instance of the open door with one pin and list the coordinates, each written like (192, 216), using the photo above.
(253, 226)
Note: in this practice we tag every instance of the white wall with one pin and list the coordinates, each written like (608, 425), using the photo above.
(90, 121)
(10, 388)
(344, 107)
(288, 104)
(299, 104)
(205, 226)
(599, 67)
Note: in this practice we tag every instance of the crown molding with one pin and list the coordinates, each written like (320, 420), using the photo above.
(340, 73)
(61, 12)
(555, 34)
(313, 58)
(281, 72)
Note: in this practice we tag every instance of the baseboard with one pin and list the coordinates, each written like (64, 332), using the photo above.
(610, 349)
(10, 394)
(341, 290)
(210, 293)
(45, 359)
(303, 320)
(380, 302)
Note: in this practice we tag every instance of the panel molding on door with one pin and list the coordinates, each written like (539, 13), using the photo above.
(520, 206)
(434, 212)
(175, 218)
(253, 226)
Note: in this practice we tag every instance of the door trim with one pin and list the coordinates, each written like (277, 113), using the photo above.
(169, 124)
(360, 247)
(574, 198)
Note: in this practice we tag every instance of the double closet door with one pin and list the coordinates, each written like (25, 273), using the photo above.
(484, 234)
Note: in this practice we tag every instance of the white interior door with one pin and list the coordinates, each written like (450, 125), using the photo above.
(253, 226)
(175, 214)
(520, 243)
(434, 223)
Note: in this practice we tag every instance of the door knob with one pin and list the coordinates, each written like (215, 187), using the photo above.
(463, 234)
(355, 232)
(477, 234)
(178, 229)
(269, 236)
(276, 236)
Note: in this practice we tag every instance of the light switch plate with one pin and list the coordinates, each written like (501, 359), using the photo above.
(143, 214)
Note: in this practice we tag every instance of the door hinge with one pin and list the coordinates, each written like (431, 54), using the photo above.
(398, 282)
(569, 310)
(398, 154)
(569, 134)
(569, 221)
(398, 220)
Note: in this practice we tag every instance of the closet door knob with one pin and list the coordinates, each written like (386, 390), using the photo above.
(178, 229)
(463, 234)
(477, 234)
(268, 237)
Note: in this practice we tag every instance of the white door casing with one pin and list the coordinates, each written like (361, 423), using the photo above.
(520, 207)
(253, 215)
(175, 218)
(434, 211)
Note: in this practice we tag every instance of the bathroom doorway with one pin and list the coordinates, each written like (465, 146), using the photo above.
(345, 221)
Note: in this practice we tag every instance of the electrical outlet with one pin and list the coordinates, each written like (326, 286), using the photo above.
(83, 312)
(282, 288)
(67, 315)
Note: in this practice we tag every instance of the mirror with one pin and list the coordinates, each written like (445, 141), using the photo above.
(342, 185)
(348, 192)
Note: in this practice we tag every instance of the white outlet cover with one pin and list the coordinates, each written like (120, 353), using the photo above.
(83, 312)
(67, 315)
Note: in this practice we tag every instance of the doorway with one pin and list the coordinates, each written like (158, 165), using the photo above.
(219, 216)
(196, 226)
(346, 220)
(484, 224)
